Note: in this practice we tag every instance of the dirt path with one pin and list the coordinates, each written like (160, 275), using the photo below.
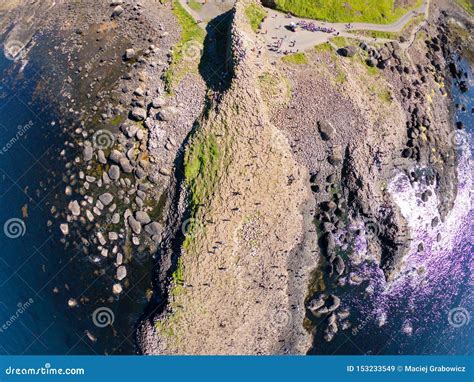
(274, 30)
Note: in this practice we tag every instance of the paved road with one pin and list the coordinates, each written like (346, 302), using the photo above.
(208, 11)
(274, 30)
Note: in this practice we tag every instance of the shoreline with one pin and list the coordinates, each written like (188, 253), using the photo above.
(143, 133)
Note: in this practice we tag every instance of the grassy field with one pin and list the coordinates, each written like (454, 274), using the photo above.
(194, 5)
(192, 37)
(370, 11)
(295, 58)
(255, 15)
(468, 5)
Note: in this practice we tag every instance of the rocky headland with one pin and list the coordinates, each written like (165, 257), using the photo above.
(257, 184)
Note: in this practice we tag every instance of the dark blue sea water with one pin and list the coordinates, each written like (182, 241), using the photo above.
(37, 274)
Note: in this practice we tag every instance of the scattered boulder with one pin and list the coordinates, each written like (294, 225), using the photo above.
(333, 302)
(142, 217)
(114, 172)
(121, 272)
(167, 113)
(115, 156)
(88, 152)
(158, 102)
(372, 62)
(118, 10)
(134, 225)
(348, 51)
(339, 265)
(106, 198)
(101, 157)
(331, 329)
(74, 208)
(117, 288)
(64, 227)
(138, 113)
(125, 165)
(326, 130)
(316, 303)
(72, 303)
(154, 228)
(129, 54)
(164, 171)
(336, 157)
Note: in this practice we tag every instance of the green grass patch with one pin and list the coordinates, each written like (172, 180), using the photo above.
(274, 88)
(255, 15)
(377, 34)
(192, 37)
(295, 58)
(194, 5)
(339, 41)
(321, 48)
(370, 11)
(178, 274)
(383, 94)
(201, 165)
(117, 120)
(468, 6)
(340, 77)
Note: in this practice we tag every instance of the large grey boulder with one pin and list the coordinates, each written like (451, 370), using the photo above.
(121, 272)
(154, 228)
(74, 208)
(138, 113)
(118, 10)
(348, 51)
(142, 217)
(129, 54)
(115, 156)
(326, 130)
(114, 172)
(88, 151)
(126, 166)
(134, 225)
(167, 113)
(106, 198)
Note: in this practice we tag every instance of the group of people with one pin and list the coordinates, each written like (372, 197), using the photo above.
(309, 26)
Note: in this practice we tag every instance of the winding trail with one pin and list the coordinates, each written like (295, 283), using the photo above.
(274, 31)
